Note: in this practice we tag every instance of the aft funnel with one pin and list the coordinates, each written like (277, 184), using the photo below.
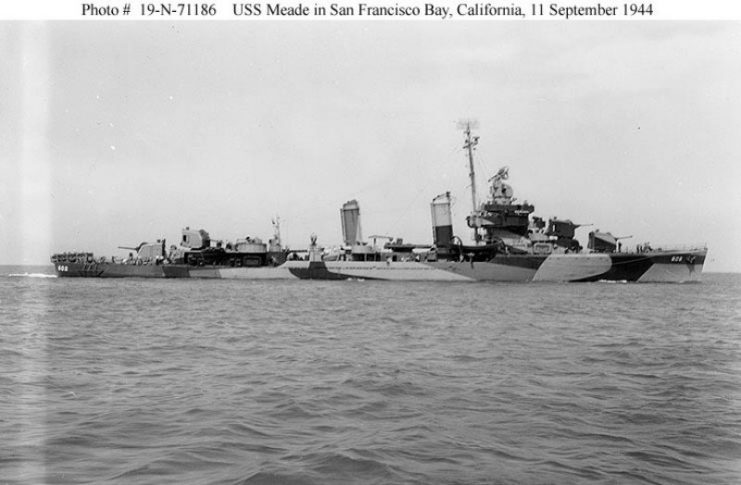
(350, 215)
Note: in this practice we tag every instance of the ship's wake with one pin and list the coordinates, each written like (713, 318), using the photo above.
(31, 275)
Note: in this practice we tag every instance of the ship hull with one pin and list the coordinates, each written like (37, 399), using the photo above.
(653, 267)
(656, 267)
(108, 270)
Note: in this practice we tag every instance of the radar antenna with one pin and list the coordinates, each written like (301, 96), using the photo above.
(502, 174)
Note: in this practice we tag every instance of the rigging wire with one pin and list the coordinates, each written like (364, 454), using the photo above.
(406, 212)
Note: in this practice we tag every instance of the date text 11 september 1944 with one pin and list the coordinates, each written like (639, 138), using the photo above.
(369, 10)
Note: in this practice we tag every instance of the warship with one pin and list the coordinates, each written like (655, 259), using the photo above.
(509, 244)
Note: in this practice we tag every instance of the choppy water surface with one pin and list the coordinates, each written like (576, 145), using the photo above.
(185, 381)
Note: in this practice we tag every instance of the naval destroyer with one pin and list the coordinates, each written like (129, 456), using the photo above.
(509, 244)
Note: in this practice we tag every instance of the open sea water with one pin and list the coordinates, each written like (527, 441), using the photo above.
(237, 382)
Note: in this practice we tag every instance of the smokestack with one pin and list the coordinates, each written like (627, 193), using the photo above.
(350, 215)
(442, 221)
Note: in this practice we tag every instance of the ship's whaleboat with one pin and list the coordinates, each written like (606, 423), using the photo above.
(509, 245)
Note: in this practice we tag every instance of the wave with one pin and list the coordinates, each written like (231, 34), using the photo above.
(377, 385)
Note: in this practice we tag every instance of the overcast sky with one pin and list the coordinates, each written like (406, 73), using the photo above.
(117, 133)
